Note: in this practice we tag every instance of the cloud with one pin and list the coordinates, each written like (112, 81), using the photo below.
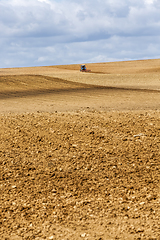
(46, 32)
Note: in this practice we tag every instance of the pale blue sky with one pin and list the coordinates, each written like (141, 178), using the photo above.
(50, 32)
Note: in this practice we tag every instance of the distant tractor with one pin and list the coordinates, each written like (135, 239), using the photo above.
(84, 69)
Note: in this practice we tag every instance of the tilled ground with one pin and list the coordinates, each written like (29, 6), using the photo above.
(80, 175)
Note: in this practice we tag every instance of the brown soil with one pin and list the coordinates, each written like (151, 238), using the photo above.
(80, 152)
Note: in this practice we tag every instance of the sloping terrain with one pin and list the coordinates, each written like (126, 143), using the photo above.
(79, 152)
(31, 93)
(132, 74)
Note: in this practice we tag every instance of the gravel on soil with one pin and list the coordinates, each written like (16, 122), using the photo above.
(80, 175)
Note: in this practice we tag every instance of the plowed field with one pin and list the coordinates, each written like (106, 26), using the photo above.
(80, 152)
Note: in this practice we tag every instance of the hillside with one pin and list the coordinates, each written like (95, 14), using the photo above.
(79, 152)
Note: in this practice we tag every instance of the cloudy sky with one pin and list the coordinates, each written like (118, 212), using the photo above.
(50, 32)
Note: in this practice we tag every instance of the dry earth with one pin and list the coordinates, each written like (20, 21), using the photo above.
(80, 152)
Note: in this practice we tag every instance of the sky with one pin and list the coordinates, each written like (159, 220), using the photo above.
(57, 32)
